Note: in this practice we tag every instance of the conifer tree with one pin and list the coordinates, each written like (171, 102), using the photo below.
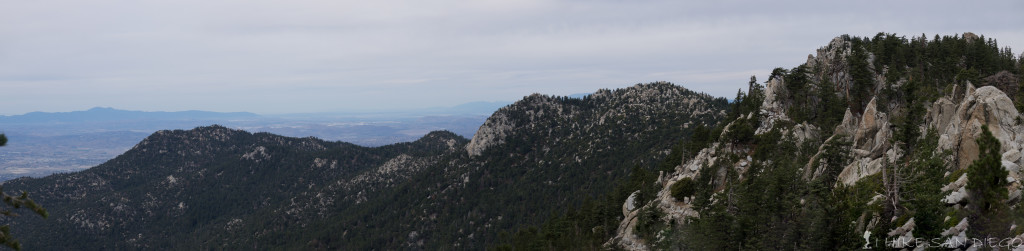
(860, 88)
(986, 181)
(12, 203)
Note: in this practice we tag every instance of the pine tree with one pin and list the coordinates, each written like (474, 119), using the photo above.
(13, 203)
(862, 83)
(986, 181)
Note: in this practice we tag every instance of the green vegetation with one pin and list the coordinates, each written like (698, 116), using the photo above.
(568, 161)
(14, 202)
(600, 216)
(649, 223)
(986, 180)
(701, 138)
(808, 209)
(683, 188)
(562, 168)
(801, 215)
(924, 202)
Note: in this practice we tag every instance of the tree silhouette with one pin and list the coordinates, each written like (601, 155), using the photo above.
(986, 180)
(12, 203)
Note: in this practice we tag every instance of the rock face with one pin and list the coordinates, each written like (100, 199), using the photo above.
(630, 204)
(647, 102)
(871, 139)
(960, 129)
(904, 235)
(957, 118)
(959, 125)
(832, 60)
(773, 108)
(492, 132)
(629, 240)
(1005, 81)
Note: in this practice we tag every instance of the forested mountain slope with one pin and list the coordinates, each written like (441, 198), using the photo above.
(175, 187)
(883, 142)
(539, 155)
(214, 187)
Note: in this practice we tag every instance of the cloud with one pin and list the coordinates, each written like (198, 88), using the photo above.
(309, 56)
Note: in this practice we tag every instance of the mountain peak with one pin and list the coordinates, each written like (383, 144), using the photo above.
(643, 100)
(99, 108)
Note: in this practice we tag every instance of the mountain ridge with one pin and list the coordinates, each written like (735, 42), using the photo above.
(870, 135)
(100, 114)
(226, 188)
(891, 172)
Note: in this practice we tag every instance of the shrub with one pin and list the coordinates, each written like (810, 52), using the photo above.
(682, 189)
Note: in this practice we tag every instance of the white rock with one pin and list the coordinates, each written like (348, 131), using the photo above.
(960, 182)
(859, 169)
(492, 132)
(905, 228)
(983, 106)
(956, 197)
(959, 228)
(1014, 195)
(630, 203)
(1013, 155)
(941, 113)
(1010, 167)
(956, 241)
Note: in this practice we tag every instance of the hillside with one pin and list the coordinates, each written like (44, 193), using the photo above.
(882, 142)
(46, 143)
(214, 187)
(175, 184)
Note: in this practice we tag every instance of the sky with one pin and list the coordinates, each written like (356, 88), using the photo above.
(274, 57)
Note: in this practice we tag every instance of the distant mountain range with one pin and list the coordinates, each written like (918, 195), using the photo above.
(215, 187)
(882, 142)
(42, 143)
(106, 114)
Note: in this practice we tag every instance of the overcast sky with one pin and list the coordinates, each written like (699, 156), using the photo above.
(320, 56)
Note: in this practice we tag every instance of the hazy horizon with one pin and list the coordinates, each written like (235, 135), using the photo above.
(271, 57)
(425, 110)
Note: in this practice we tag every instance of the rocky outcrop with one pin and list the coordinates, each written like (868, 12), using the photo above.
(869, 138)
(903, 236)
(643, 105)
(960, 129)
(941, 113)
(957, 235)
(832, 60)
(630, 204)
(626, 238)
(257, 154)
(396, 169)
(804, 132)
(492, 132)
(959, 125)
(957, 190)
(773, 108)
(872, 136)
(871, 147)
(1005, 81)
